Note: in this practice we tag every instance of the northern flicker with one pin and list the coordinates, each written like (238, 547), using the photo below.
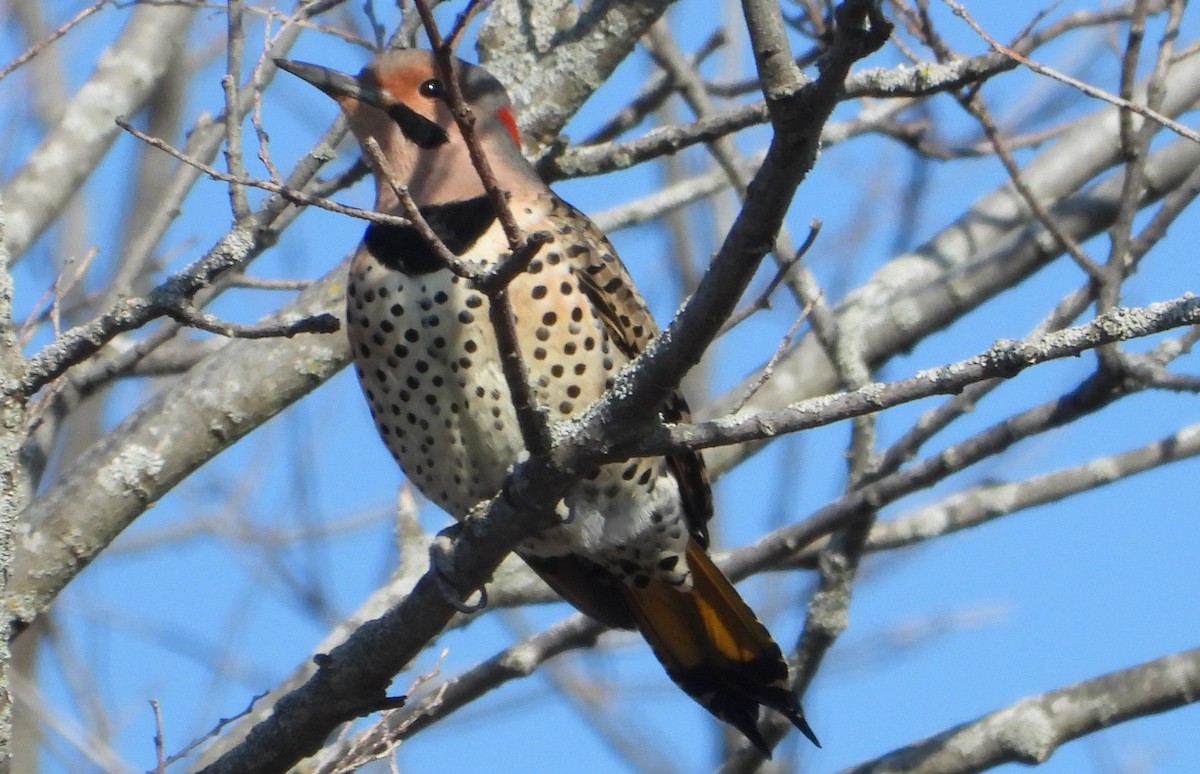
(631, 550)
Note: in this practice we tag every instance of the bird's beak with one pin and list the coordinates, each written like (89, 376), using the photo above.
(335, 84)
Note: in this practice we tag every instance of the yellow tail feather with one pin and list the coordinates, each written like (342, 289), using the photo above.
(715, 648)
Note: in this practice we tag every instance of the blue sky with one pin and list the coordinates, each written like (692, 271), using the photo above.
(939, 634)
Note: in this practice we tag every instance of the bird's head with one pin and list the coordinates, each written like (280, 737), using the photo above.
(400, 100)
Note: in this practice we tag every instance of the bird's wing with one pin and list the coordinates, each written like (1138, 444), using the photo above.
(605, 281)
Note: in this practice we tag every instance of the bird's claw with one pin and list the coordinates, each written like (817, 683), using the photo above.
(442, 568)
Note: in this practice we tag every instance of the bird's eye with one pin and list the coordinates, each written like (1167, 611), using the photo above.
(431, 88)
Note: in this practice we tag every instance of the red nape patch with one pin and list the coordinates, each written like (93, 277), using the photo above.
(506, 117)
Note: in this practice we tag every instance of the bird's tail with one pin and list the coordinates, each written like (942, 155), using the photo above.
(715, 648)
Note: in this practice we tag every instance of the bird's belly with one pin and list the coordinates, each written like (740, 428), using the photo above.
(424, 354)
(427, 359)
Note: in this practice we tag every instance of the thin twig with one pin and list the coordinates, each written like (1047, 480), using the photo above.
(235, 44)
(214, 732)
(263, 283)
(768, 370)
(184, 313)
(159, 754)
(37, 47)
(979, 109)
(460, 23)
(294, 195)
(1135, 145)
(1087, 89)
(763, 301)
(652, 95)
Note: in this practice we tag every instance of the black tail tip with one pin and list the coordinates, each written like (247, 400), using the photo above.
(806, 730)
(796, 716)
(751, 732)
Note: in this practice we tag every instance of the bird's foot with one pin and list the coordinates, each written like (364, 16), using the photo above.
(441, 564)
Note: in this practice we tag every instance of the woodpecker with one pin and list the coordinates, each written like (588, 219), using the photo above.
(631, 550)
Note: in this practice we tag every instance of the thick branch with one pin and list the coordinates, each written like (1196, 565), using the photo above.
(1032, 729)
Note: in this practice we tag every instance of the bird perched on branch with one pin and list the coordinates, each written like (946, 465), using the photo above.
(631, 550)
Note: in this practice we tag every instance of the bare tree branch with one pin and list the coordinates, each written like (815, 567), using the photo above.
(123, 80)
(1032, 729)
